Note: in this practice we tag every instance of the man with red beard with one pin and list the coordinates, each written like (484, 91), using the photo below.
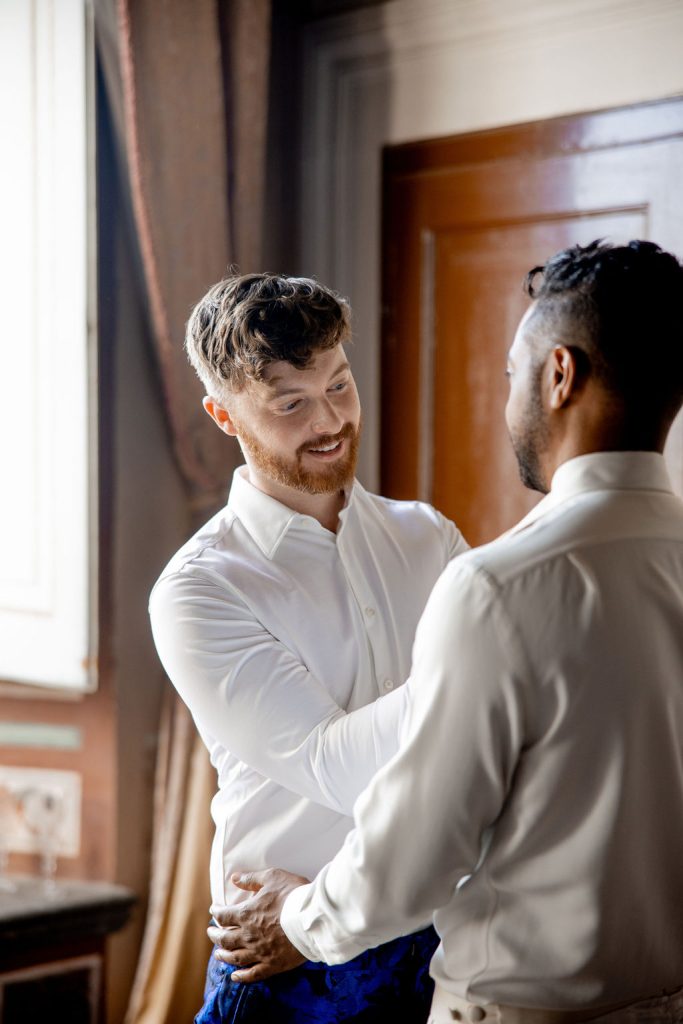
(286, 624)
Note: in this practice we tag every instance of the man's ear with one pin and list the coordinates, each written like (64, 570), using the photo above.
(563, 370)
(219, 415)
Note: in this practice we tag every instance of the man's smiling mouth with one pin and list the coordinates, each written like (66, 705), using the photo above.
(327, 447)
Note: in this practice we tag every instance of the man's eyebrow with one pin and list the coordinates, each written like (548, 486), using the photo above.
(279, 392)
(344, 365)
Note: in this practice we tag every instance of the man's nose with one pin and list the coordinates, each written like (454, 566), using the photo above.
(326, 419)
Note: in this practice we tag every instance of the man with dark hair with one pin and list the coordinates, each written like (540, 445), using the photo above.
(606, 303)
(537, 798)
(286, 625)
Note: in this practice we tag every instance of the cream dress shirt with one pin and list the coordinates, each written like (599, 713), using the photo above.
(273, 629)
(542, 757)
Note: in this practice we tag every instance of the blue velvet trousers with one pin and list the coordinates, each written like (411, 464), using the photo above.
(386, 985)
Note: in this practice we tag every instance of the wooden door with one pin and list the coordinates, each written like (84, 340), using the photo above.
(464, 219)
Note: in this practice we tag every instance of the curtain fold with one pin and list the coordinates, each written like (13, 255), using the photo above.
(176, 149)
(187, 86)
(173, 957)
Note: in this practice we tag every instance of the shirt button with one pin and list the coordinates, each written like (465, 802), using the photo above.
(476, 1013)
(370, 612)
(387, 685)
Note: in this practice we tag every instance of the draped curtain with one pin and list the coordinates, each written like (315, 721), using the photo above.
(187, 86)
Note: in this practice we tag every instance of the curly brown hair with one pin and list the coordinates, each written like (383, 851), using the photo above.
(246, 322)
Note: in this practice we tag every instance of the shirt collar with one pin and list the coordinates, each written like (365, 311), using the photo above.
(266, 519)
(601, 471)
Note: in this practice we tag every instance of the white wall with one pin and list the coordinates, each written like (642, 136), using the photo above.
(415, 69)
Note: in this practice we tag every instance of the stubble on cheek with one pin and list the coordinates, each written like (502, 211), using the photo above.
(530, 439)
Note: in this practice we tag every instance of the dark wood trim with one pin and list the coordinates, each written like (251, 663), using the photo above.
(573, 133)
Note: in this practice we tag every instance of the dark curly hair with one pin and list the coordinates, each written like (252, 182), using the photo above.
(246, 322)
(623, 306)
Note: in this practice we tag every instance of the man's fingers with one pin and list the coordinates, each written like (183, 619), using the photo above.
(256, 973)
(228, 938)
(227, 917)
(249, 880)
(235, 957)
(226, 956)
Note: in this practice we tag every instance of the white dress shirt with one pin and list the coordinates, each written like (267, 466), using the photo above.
(542, 757)
(272, 629)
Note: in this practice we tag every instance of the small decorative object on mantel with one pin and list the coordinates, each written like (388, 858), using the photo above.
(43, 812)
(8, 812)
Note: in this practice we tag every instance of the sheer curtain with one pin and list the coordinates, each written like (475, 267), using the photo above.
(187, 87)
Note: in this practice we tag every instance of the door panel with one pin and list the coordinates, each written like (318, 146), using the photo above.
(464, 220)
(477, 273)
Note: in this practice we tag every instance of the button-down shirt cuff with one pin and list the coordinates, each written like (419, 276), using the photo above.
(292, 922)
(308, 923)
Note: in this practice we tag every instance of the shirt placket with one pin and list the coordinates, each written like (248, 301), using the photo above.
(373, 612)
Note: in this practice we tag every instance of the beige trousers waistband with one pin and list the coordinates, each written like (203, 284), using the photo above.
(447, 1008)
